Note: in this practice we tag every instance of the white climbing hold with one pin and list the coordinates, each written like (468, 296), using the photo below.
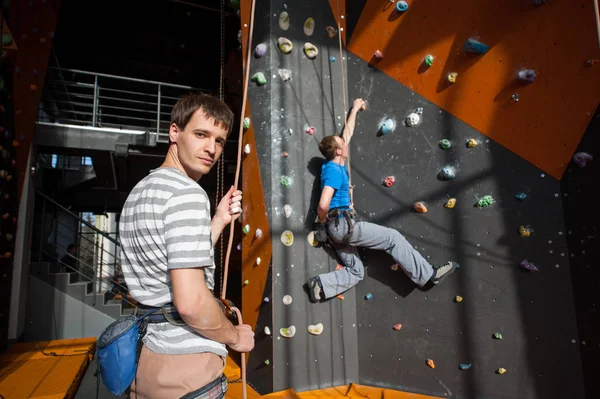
(285, 74)
(311, 51)
(258, 260)
(247, 149)
(287, 332)
(285, 45)
(267, 330)
(311, 239)
(287, 210)
(414, 118)
(287, 300)
(284, 20)
(316, 329)
(309, 26)
(258, 233)
(287, 238)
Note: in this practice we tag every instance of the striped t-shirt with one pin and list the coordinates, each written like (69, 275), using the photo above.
(164, 225)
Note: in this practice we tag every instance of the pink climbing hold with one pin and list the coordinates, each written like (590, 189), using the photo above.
(378, 54)
(389, 181)
(582, 158)
(528, 266)
(310, 130)
(397, 327)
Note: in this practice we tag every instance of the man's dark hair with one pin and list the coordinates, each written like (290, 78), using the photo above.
(71, 246)
(328, 146)
(211, 106)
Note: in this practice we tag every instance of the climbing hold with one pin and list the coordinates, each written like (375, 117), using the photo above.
(448, 172)
(259, 78)
(311, 239)
(528, 266)
(452, 77)
(287, 238)
(475, 46)
(287, 210)
(527, 75)
(331, 58)
(267, 330)
(260, 50)
(428, 60)
(267, 300)
(378, 55)
(285, 74)
(331, 31)
(395, 267)
(258, 233)
(444, 144)
(284, 154)
(387, 126)
(235, 4)
(310, 50)
(397, 327)
(287, 332)
(497, 335)
(246, 282)
(539, 2)
(592, 62)
(6, 40)
(284, 20)
(485, 201)
(389, 181)
(472, 143)
(525, 231)
(340, 297)
(368, 296)
(315, 329)
(35, 72)
(42, 40)
(501, 370)
(287, 300)
(515, 97)
(9, 237)
(458, 299)
(450, 203)
(286, 181)
(246, 229)
(309, 130)
(247, 149)
(258, 260)
(430, 363)
(521, 196)
(464, 366)
(246, 123)
(401, 6)
(420, 207)
(32, 87)
(414, 118)
(338, 267)
(582, 158)
(309, 26)
(285, 45)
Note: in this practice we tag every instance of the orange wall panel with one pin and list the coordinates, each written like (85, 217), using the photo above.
(547, 123)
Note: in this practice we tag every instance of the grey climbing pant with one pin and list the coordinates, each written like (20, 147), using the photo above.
(372, 236)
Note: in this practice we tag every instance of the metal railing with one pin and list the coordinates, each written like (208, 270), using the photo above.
(75, 97)
(97, 258)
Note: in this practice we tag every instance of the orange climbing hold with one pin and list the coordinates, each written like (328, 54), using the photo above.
(397, 327)
(340, 296)
(430, 363)
(338, 267)
(420, 207)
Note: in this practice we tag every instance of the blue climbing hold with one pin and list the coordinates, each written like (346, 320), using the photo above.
(521, 196)
(331, 58)
(448, 172)
(474, 46)
(388, 126)
(402, 6)
(465, 366)
(368, 296)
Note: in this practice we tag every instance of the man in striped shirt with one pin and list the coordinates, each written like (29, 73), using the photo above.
(167, 256)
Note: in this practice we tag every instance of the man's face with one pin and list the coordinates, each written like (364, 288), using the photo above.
(199, 145)
(343, 146)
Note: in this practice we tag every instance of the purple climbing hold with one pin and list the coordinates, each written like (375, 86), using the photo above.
(582, 158)
(260, 50)
(528, 266)
(527, 75)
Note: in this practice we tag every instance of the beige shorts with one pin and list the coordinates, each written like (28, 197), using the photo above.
(172, 376)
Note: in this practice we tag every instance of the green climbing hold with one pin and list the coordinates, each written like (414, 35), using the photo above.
(246, 229)
(235, 4)
(485, 201)
(429, 60)
(246, 282)
(267, 362)
(259, 78)
(497, 335)
(9, 237)
(246, 123)
(286, 181)
(7, 40)
(445, 144)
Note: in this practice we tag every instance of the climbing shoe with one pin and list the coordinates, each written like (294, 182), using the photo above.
(443, 271)
(315, 289)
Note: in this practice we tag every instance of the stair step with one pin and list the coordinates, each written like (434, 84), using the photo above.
(113, 302)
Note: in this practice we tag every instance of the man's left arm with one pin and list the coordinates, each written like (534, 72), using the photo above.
(228, 210)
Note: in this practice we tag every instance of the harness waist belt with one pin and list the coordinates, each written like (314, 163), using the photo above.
(165, 314)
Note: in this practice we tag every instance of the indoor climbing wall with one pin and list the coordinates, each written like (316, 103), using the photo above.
(468, 129)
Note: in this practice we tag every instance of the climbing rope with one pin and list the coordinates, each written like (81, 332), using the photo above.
(221, 163)
(235, 184)
(339, 26)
